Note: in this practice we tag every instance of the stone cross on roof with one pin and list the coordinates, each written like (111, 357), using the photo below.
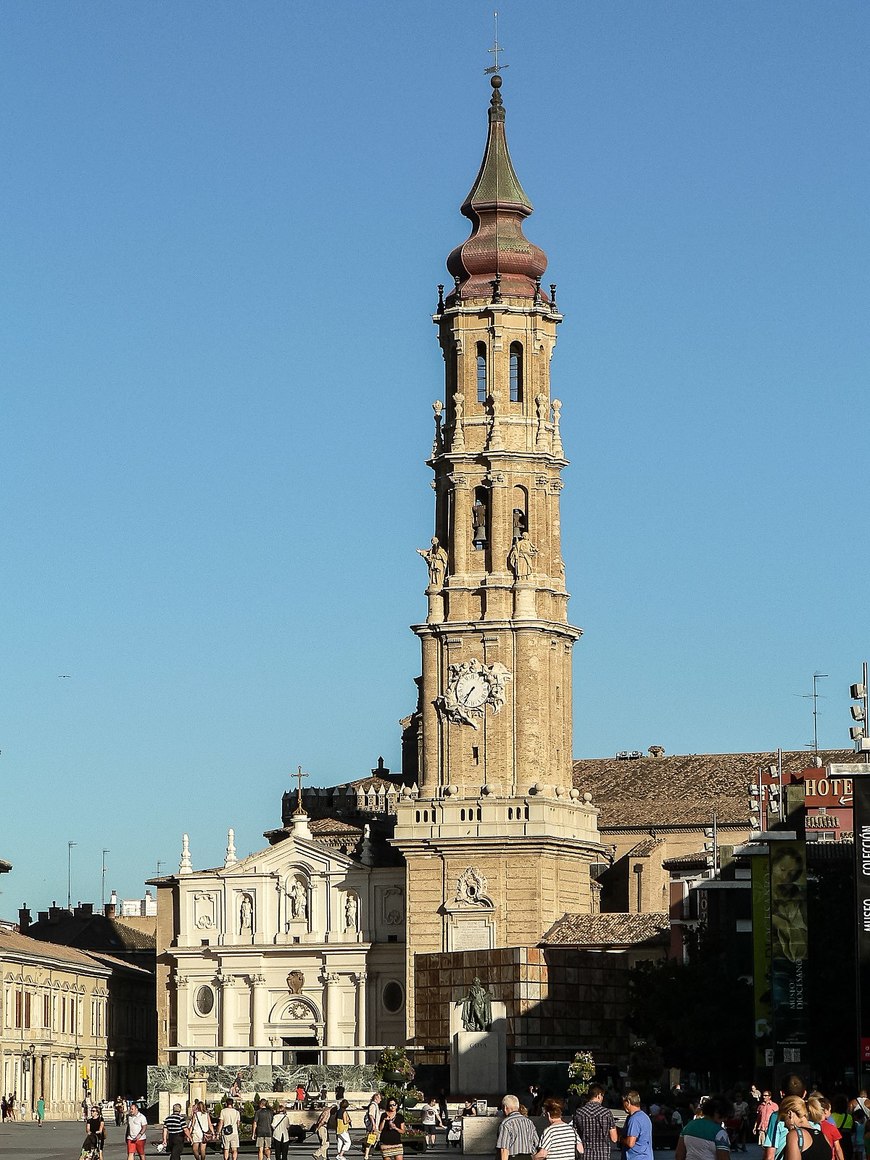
(300, 809)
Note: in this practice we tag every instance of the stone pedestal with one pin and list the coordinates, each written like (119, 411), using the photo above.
(525, 604)
(478, 1059)
(197, 1089)
(479, 1134)
(435, 596)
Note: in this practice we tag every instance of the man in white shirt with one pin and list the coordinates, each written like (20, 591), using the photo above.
(135, 1133)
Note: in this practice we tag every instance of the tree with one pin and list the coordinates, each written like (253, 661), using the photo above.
(699, 1013)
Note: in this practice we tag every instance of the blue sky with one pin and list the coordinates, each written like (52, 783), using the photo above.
(222, 229)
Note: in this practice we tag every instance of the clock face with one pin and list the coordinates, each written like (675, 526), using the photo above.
(472, 690)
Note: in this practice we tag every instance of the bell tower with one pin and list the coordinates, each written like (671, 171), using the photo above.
(496, 839)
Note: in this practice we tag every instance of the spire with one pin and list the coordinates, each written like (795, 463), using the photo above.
(496, 206)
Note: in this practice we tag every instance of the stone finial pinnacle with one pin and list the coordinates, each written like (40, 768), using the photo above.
(185, 866)
(230, 858)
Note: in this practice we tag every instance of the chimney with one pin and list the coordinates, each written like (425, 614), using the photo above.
(111, 907)
(24, 918)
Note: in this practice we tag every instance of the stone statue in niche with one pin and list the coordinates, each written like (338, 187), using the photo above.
(477, 1008)
(351, 912)
(478, 521)
(436, 559)
(519, 522)
(298, 901)
(521, 558)
(246, 915)
(295, 982)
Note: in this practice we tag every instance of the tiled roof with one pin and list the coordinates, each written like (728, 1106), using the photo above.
(12, 942)
(602, 930)
(320, 827)
(93, 932)
(120, 964)
(686, 861)
(677, 790)
(644, 848)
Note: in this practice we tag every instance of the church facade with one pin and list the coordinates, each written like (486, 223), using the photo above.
(306, 950)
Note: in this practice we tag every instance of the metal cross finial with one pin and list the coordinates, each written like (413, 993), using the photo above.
(495, 50)
(299, 776)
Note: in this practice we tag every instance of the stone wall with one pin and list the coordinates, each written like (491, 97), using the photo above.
(262, 1078)
(558, 999)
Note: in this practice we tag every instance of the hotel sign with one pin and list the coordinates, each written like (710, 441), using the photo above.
(831, 792)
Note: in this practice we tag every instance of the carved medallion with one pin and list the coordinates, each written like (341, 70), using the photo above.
(298, 1011)
(393, 906)
(295, 982)
(471, 887)
(471, 686)
(204, 911)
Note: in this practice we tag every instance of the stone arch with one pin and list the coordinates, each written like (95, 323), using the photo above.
(286, 1011)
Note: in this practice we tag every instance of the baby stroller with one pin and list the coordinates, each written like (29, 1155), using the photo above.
(454, 1132)
(90, 1148)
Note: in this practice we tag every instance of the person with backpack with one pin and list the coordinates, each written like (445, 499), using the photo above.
(262, 1130)
(370, 1123)
(228, 1128)
(321, 1128)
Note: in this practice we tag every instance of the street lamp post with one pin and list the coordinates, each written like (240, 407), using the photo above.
(27, 1067)
(859, 692)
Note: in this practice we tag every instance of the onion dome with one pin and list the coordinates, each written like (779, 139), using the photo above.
(496, 206)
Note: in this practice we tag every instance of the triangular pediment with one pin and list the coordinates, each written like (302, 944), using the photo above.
(292, 853)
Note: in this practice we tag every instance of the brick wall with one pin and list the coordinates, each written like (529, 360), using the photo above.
(556, 998)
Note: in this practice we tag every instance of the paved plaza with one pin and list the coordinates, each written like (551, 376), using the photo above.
(62, 1141)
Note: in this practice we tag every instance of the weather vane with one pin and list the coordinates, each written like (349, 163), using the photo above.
(495, 50)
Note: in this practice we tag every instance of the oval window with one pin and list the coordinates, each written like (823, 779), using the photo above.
(204, 1000)
(394, 996)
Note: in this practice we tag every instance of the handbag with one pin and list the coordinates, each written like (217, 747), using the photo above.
(228, 1129)
(371, 1138)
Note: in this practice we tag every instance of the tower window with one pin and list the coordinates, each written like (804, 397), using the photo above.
(516, 384)
(481, 372)
(479, 519)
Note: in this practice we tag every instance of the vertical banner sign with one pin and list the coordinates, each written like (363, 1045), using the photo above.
(788, 948)
(861, 807)
(761, 957)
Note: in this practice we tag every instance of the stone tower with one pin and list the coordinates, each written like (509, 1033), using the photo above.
(497, 842)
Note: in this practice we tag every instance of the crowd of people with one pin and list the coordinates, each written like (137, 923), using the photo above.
(791, 1124)
(797, 1125)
